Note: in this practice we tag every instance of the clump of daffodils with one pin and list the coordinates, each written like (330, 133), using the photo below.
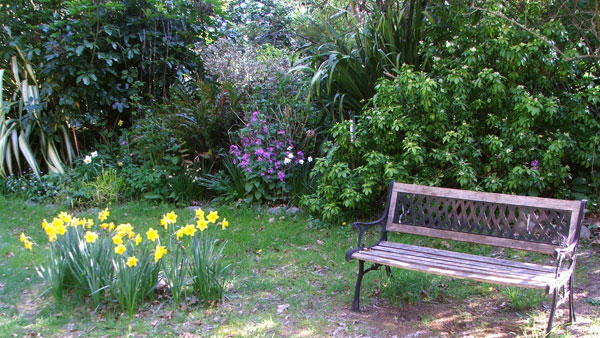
(130, 259)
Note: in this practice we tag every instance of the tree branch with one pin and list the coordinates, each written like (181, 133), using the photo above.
(539, 36)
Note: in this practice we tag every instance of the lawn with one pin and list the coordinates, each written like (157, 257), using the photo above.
(288, 277)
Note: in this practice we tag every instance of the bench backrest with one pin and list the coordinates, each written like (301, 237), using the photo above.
(511, 221)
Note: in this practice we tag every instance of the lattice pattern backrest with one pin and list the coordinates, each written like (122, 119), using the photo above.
(526, 223)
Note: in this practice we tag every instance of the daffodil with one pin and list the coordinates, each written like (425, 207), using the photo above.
(90, 223)
(61, 229)
(138, 239)
(104, 226)
(117, 239)
(168, 218)
(200, 213)
(87, 160)
(44, 224)
(91, 237)
(64, 216)
(131, 261)
(224, 224)
(120, 123)
(28, 244)
(111, 226)
(120, 249)
(189, 230)
(159, 252)
(22, 238)
(213, 216)
(201, 224)
(103, 215)
(152, 234)
(179, 233)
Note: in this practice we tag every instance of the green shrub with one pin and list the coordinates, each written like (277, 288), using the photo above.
(491, 114)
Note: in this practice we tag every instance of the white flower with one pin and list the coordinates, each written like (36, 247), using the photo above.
(290, 148)
(309, 159)
(87, 160)
(290, 155)
(94, 154)
(301, 161)
(287, 161)
(473, 49)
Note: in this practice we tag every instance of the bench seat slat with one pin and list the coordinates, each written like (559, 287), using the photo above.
(462, 265)
(467, 257)
(459, 265)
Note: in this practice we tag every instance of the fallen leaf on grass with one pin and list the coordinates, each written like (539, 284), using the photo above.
(282, 307)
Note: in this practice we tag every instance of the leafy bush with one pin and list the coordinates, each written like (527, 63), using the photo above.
(115, 263)
(103, 61)
(491, 114)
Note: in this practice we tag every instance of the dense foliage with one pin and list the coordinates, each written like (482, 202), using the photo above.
(497, 110)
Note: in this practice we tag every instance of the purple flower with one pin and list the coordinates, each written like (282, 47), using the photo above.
(281, 132)
(123, 143)
(262, 173)
(534, 165)
(281, 175)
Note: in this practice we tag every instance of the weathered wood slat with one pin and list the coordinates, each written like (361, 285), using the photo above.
(448, 261)
(503, 280)
(488, 269)
(541, 278)
(536, 202)
(473, 238)
(469, 257)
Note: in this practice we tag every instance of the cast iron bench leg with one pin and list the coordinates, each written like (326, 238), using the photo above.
(361, 271)
(551, 319)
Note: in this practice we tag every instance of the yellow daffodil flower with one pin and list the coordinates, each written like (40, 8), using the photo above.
(90, 223)
(103, 215)
(224, 224)
(179, 233)
(213, 216)
(189, 230)
(152, 234)
(91, 237)
(159, 252)
(131, 261)
(138, 239)
(117, 240)
(111, 226)
(65, 217)
(22, 238)
(120, 249)
(104, 226)
(201, 224)
(57, 222)
(200, 213)
(28, 244)
(120, 123)
(61, 229)
(44, 224)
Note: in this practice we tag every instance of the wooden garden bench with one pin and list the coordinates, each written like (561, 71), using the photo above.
(544, 225)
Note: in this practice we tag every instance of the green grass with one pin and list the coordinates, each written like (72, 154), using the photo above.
(275, 260)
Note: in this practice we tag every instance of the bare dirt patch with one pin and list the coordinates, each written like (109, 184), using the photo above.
(476, 316)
